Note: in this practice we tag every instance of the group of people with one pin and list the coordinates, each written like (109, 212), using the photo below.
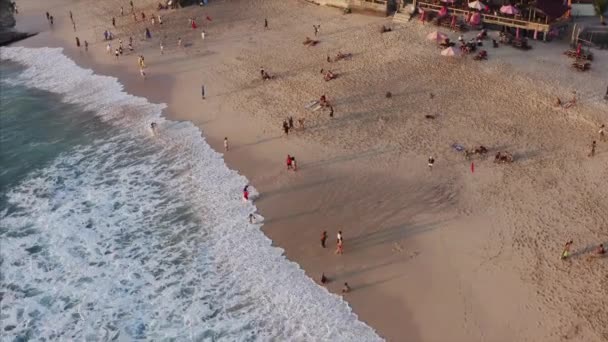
(50, 18)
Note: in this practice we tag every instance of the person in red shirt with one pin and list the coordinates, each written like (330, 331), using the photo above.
(288, 162)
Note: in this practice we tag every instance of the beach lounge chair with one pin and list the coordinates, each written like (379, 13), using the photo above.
(581, 65)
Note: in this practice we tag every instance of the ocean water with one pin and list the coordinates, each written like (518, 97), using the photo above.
(111, 233)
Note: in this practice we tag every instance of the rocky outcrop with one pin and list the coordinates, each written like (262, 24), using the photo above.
(7, 20)
(7, 23)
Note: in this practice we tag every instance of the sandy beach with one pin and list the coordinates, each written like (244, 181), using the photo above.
(461, 252)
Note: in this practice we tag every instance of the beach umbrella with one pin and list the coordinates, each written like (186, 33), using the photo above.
(450, 52)
(437, 36)
(478, 5)
(448, 1)
(509, 9)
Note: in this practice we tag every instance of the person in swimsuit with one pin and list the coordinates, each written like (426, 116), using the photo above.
(323, 238)
(346, 288)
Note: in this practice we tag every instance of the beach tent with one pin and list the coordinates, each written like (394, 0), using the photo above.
(478, 5)
(509, 9)
(437, 36)
(450, 52)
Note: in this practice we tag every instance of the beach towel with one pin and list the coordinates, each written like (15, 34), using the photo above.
(458, 147)
(311, 104)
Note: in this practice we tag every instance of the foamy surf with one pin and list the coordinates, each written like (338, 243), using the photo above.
(139, 237)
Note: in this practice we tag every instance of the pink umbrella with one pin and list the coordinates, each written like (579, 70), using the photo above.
(478, 5)
(448, 1)
(436, 36)
(509, 9)
(450, 52)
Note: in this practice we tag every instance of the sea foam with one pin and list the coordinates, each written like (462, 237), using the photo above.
(140, 237)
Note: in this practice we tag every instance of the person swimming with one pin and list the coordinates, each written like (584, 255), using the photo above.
(153, 127)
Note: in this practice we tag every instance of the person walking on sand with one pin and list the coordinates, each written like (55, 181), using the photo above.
(331, 111)
(142, 72)
(226, 147)
(109, 48)
(71, 16)
(566, 252)
(600, 250)
(431, 162)
(74, 25)
(48, 16)
(162, 48)
(323, 238)
(346, 288)
(116, 53)
(122, 11)
(602, 132)
(114, 22)
(203, 35)
(148, 34)
(77, 42)
(339, 243)
(251, 218)
(86, 46)
(324, 279)
(203, 91)
(316, 28)
(593, 145)
(265, 23)
(288, 162)
(285, 127)
(179, 42)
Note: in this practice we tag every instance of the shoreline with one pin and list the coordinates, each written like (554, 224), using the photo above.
(401, 226)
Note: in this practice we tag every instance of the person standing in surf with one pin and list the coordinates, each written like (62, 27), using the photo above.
(246, 193)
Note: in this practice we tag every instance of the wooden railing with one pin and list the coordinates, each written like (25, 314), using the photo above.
(490, 19)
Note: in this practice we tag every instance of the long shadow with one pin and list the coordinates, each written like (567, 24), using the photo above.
(257, 142)
(589, 249)
(295, 188)
(391, 234)
(345, 158)
(377, 282)
(345, 275)
(298, 214)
